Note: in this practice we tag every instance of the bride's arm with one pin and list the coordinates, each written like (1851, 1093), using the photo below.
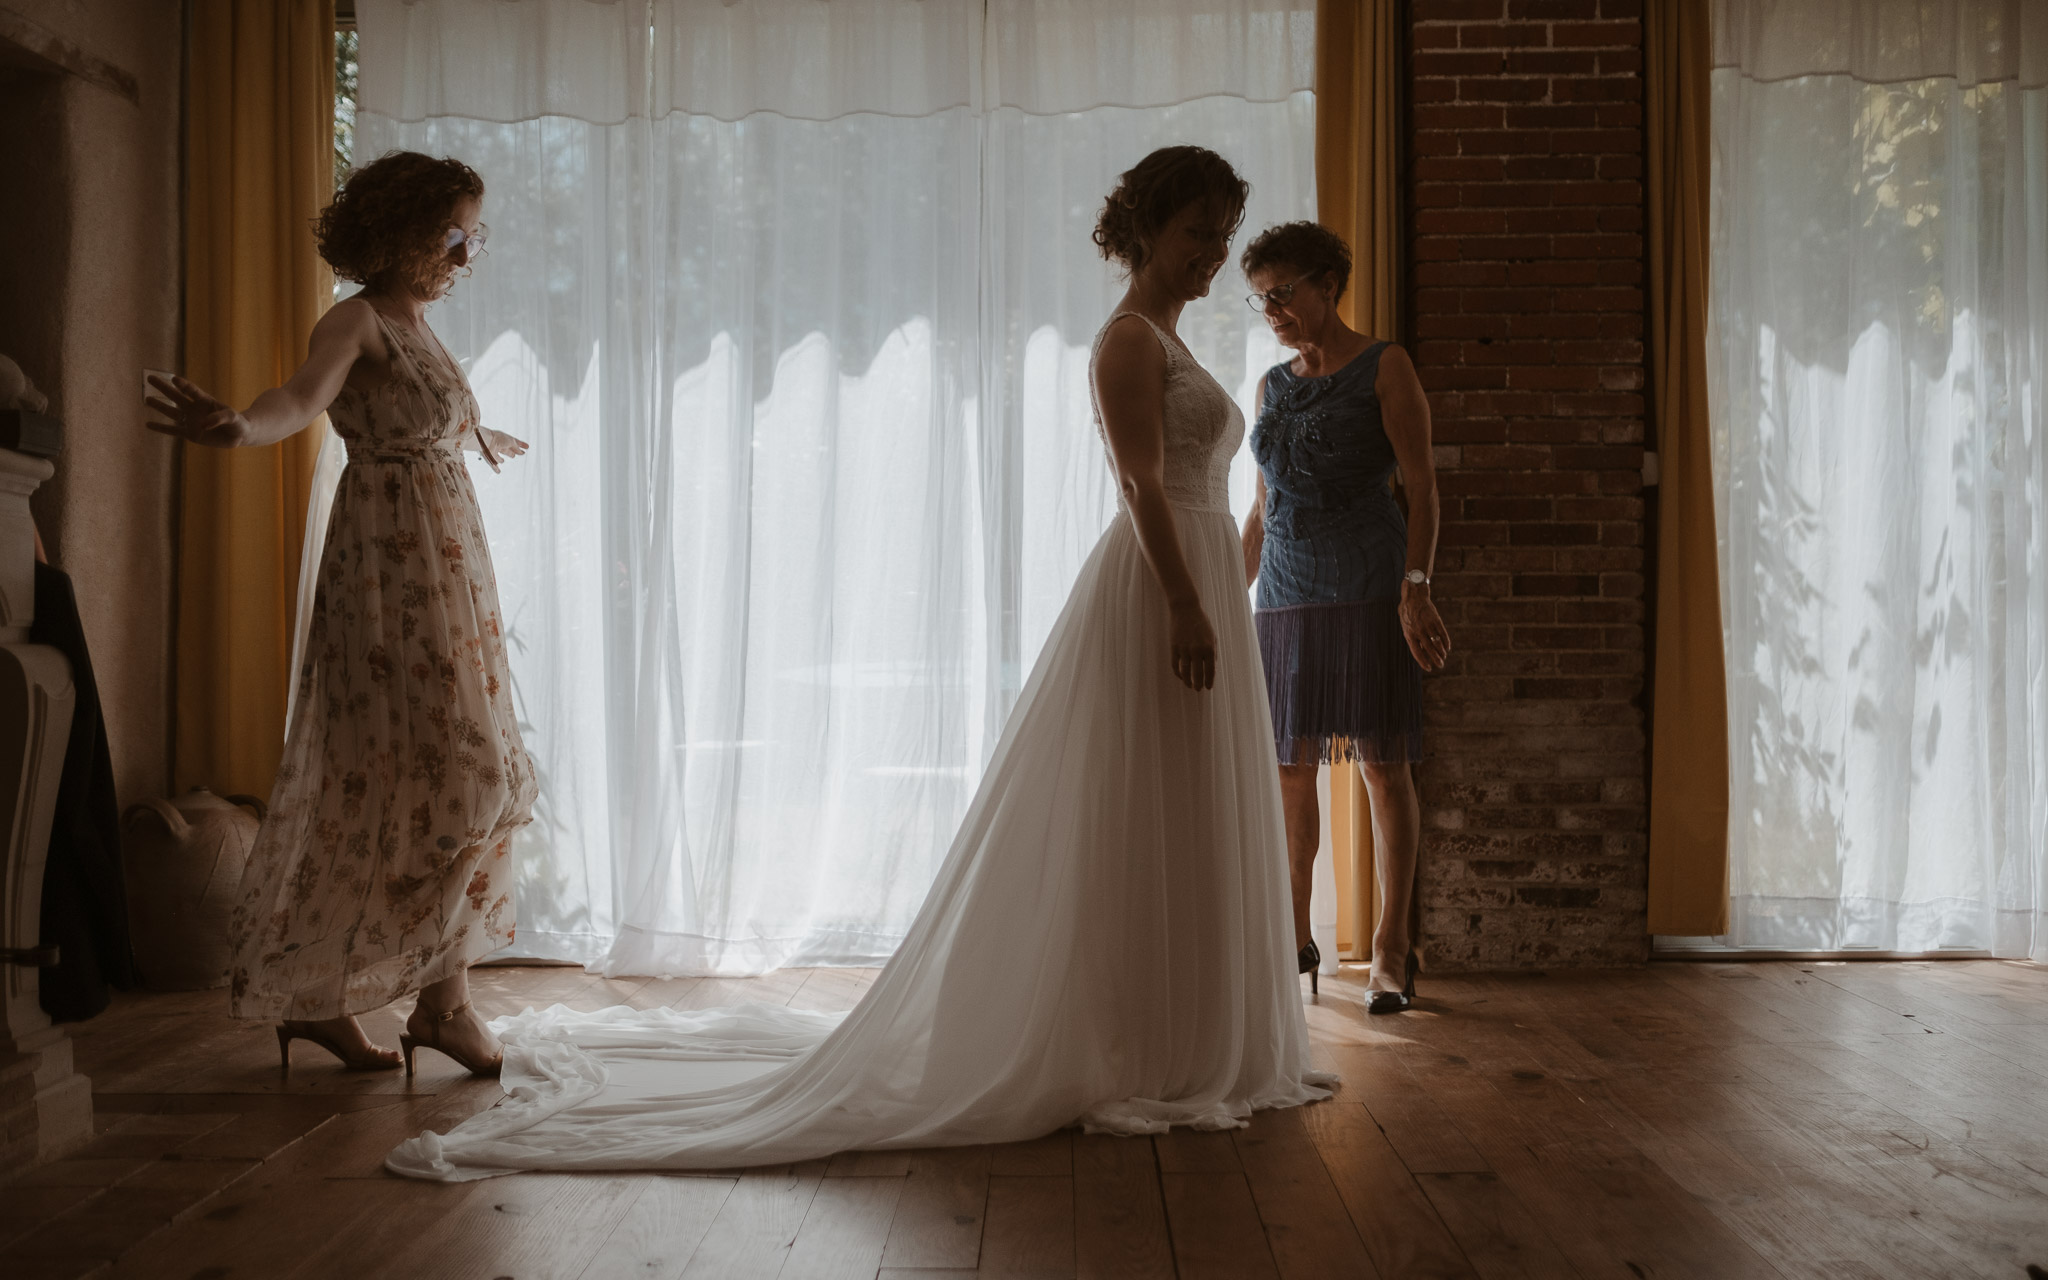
(1130, 392)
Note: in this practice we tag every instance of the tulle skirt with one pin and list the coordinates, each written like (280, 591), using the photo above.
(1109, 942)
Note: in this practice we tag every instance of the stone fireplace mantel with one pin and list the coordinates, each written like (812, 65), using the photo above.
(45, 1105)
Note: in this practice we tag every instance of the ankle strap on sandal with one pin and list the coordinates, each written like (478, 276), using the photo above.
(448, 1015)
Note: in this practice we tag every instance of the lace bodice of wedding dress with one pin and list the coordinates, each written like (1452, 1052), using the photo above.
(1203, 427)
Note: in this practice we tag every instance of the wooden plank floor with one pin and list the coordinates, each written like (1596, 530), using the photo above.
(1686, 1120)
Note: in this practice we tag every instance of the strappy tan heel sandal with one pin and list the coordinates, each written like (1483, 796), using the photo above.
(407, 1042)
(290, 1031)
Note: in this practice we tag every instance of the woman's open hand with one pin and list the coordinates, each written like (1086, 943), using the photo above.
(1194, 647)
(496, 446)
(195, 415)
(504, 445)
(1424, 628)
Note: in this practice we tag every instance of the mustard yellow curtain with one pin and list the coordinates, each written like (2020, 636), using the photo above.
(1358, 896)
(1358, 181)
(259, 168)
(1358, 195)
(1688, 891)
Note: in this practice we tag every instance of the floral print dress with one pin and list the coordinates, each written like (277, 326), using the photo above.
(383, 864)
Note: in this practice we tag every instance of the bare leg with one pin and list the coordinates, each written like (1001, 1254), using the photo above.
(1304, 835)
(1397, 840)
(465, 1033)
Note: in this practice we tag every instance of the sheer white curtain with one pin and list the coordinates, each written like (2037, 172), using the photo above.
(1880, 312)
(793, 300)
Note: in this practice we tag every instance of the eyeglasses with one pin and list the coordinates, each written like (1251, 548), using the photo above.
(1278, 296)
(457, 237)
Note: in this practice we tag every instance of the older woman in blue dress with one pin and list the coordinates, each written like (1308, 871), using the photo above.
(1346, 626)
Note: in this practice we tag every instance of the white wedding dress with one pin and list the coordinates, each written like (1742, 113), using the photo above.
(1108, 942)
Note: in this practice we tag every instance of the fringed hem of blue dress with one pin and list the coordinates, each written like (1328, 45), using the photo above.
(1342, 683)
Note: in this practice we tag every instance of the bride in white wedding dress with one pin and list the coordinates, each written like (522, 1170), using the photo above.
(1110, 940)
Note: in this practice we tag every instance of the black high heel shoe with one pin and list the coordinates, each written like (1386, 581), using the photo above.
(1311, 959)
(1396, 1001)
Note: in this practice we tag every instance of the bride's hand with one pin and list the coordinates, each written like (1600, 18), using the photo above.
(1194, 646)
(194, 415)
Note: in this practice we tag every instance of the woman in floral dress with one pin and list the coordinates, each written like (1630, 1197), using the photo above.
(382, 869)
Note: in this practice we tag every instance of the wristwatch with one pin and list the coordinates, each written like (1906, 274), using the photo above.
(1417, 576)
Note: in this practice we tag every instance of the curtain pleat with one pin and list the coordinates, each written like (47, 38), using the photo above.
(259, 168)
(1878, 255)
(1688, 889)
(1358, 187)
(1358, 195)
(1358, 898)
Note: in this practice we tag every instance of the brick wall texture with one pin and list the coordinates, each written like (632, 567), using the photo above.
(1527, 325)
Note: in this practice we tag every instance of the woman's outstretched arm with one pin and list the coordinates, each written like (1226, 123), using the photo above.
(1130, 392)
(343, 336)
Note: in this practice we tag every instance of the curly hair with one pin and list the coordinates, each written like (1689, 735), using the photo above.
(1306, 247)
(387, 222)
(1148, 195)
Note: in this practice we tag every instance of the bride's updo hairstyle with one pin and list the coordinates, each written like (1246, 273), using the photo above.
(1148, 196)
(388, 223)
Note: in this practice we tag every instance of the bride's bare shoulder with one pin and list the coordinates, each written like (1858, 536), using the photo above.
(1129, 343)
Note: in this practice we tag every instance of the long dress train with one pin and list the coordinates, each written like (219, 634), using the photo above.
(1108, 941)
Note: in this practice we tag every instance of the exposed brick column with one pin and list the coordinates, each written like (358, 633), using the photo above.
(1528, 311)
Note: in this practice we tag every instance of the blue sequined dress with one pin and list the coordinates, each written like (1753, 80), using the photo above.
(1340, 677)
